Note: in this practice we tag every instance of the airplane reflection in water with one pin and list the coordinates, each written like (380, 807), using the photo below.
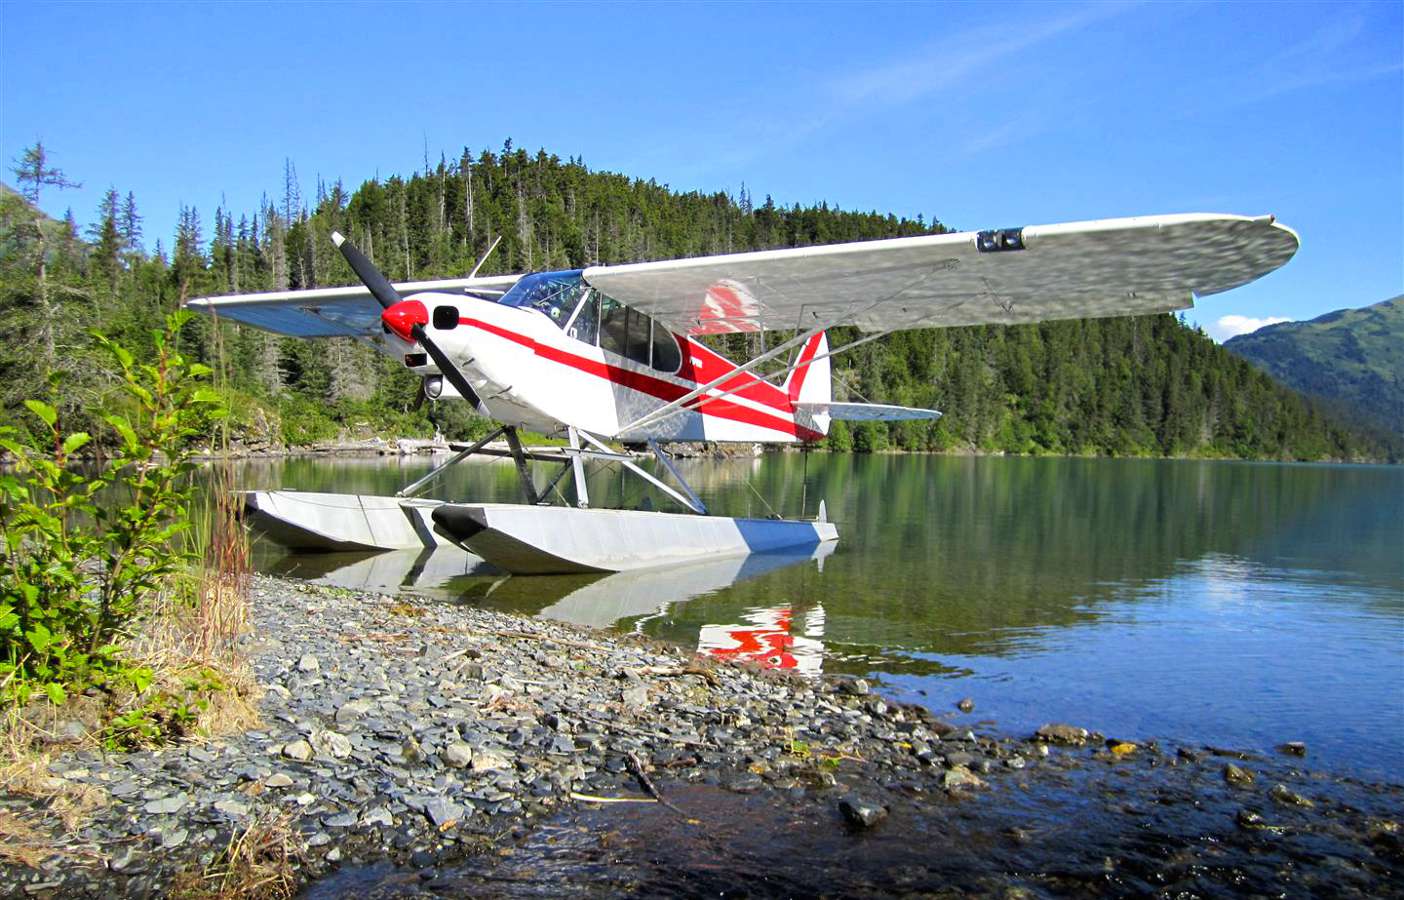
(768, 640)
(765, 637)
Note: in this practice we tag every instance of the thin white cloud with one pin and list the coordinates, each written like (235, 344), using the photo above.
(1329, 55)
(1234, 325)
(950, 63)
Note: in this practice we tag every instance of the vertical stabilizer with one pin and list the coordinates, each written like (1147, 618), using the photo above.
(811, 382)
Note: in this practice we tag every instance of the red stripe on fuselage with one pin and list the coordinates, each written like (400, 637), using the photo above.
(668, 391)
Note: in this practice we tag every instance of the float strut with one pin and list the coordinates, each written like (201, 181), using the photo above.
(523, 471)
(582, 493)
(457, 457)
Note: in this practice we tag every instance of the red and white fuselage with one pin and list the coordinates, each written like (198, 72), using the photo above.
(531, 372)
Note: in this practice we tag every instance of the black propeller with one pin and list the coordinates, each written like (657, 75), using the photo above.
(389, 298)
(379, 286)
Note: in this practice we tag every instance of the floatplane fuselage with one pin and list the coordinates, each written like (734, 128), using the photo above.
(553, 353)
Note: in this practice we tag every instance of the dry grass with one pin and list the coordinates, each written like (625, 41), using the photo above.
(190, 639)
(260, 861)
(20, 844)
(60, 807)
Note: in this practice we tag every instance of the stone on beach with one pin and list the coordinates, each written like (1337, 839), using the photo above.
(299, 750)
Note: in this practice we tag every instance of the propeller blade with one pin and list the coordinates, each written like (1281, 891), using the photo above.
(446, 366)
(379, 286)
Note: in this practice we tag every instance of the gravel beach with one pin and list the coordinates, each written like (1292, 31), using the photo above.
(433, 749)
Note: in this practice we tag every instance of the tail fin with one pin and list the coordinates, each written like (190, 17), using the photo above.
(810, 383)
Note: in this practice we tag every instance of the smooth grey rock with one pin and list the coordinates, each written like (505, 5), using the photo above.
(333, 855)
(279, 779)
(340, 820)
(457, 755)
(966, 705)
(299, 750)
(308, 663)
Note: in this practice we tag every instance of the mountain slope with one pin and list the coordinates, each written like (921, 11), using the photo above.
(1351, 358)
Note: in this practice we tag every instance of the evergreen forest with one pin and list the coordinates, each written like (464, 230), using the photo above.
(1136, 386)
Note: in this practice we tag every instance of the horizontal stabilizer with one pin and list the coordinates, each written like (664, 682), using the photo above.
(866, 412)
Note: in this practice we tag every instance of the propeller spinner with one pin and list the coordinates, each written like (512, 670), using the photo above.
(404, 318)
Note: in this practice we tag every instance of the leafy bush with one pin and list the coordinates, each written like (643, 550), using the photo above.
(76, 570)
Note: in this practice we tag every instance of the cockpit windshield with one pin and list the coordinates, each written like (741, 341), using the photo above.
(554, 293)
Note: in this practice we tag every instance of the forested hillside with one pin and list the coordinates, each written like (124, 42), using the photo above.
(1132, 386)
(1350, 357)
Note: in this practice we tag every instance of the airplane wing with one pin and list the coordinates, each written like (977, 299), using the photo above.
(1109, 267)
(332, 312)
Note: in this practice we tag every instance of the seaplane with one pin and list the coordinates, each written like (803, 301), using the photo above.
(611, 356)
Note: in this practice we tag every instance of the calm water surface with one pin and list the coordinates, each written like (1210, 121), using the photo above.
(1235, 604)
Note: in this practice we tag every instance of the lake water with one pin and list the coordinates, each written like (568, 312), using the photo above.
(1224, 603)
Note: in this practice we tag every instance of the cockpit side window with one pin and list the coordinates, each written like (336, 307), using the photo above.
(631, 334)
(613, 322)
(666, 355)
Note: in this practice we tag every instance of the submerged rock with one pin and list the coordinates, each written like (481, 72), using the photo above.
(1284, 795)
(1058, 733)
(966, 705)
(1237, 775)
(860, 812)
(960, 777)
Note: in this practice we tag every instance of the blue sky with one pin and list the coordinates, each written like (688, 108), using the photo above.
(981, 115)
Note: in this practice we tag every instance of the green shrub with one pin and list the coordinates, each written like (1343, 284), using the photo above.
(76, 571)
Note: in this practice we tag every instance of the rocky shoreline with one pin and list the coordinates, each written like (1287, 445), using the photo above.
(420, 748)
